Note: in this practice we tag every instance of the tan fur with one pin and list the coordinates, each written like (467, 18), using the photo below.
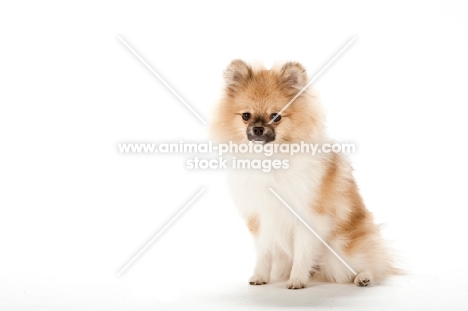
(356, 228)
(253, 223)
(328, 189)
(334, 188)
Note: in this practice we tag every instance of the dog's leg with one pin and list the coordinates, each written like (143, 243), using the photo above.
(262, 267)
(306, 249)
(281, 267)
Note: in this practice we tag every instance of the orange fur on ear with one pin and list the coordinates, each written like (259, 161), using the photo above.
(293, 75)
(237, 74)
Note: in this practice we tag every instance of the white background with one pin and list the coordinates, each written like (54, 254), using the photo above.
(74, 211)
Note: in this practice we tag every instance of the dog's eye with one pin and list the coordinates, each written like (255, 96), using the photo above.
(246, 116)
(275, 117)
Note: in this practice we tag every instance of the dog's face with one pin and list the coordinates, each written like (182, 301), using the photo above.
(258, 129)
(253, 98)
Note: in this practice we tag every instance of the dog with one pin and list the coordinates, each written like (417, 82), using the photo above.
(320, 188)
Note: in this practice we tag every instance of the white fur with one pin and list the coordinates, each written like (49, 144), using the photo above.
(282, 239)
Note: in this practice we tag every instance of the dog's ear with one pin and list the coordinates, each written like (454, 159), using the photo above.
(237, 74)
(293, 75)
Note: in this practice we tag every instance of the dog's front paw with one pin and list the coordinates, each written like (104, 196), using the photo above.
(296, 284)
(257, 280)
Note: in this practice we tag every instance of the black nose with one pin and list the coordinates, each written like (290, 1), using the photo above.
(258, 130)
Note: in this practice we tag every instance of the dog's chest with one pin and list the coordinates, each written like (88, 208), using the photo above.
(297, 186)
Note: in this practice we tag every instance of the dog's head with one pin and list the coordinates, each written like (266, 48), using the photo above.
(252, 102)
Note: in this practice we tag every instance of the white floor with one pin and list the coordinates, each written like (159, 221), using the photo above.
(411, 292)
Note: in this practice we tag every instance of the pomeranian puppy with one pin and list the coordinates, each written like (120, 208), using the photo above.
(320, 188)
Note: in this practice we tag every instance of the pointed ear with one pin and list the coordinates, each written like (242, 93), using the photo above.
(293, 75)
(237, 74)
